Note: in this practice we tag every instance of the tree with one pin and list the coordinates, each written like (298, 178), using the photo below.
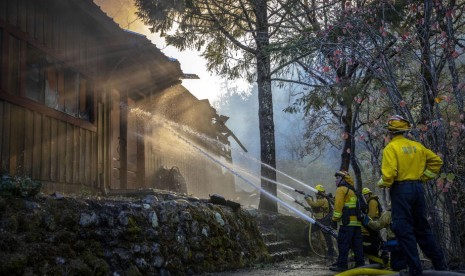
(231, 35)
(400, 49)
(336, 52)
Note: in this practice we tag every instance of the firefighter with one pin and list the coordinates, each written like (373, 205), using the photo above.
(374, 207)
(371, 239)
(398, 259)
(406, 164)
(321, 208)
(347, 215)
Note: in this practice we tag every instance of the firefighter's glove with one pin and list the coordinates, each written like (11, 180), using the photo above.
(365, 219)
(381, 184)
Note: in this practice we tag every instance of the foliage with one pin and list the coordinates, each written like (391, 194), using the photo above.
(222, 30)
(19, 186)
(389, 57)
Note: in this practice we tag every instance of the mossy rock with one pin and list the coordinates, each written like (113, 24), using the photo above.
(78, 267)
(95, 247)
(13, 264)
(3, 204)
(65, 236)
(98, 265)
(65, 250)
(133, 230)
(133, 271)
(68, 219)
(28, 222)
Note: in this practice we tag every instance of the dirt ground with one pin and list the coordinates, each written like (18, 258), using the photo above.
(297, 267)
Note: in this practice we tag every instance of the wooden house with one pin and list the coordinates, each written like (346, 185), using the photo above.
(70, 78)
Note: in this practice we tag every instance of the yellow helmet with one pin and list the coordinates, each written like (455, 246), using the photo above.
(397, 124)
(346, 176)
(320, 188)
(366, 191)
(341, 174)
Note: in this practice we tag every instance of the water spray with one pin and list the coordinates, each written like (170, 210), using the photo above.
(271, 181)
(330, 199)
(308, 209)
(325, 228)
(218, 143)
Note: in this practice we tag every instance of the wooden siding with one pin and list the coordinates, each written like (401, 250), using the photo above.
(46, 149)
(50, 26)
(203, 176)
(68, 152)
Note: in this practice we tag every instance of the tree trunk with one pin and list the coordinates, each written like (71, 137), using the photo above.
(447, 26)
(346, 121)
(353, 159)
(265, 111)
(426, 68)
(431, 113)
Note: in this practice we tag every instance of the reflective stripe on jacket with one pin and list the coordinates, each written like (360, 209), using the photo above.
(404, 159)
(345, 197)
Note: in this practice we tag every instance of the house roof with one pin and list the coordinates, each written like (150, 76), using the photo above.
(135, 62)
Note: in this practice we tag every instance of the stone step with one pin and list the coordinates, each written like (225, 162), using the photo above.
(269, 237)
(286, 255)
(278, 246)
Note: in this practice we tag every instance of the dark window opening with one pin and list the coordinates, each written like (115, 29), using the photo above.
(54, 86)
(45, 80)
(14, 58)
(71, 92)
(35, 74)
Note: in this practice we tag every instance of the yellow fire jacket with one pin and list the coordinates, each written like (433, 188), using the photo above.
(373, 210)
(345, 197)
(404, 159)
(320, 206)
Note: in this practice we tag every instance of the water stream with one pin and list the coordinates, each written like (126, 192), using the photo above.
(178, 128)
(158, 121)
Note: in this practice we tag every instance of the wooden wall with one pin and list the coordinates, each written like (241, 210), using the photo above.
(203, 176)
(47, 149)
(35, 140)
(51, 26)
(69, 153)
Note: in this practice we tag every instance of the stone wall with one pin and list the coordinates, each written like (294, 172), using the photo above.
(159, 234)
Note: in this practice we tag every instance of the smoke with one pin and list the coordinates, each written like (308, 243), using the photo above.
(239, 101)
(242, 108)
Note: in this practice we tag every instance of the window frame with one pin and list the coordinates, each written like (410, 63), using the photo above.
(86, 120)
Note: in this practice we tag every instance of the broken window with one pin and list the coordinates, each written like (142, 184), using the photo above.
(35, 74)
(54, 86)
(13, 65)
(45, 79)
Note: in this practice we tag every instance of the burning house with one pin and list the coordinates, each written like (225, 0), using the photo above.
(70, 80)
